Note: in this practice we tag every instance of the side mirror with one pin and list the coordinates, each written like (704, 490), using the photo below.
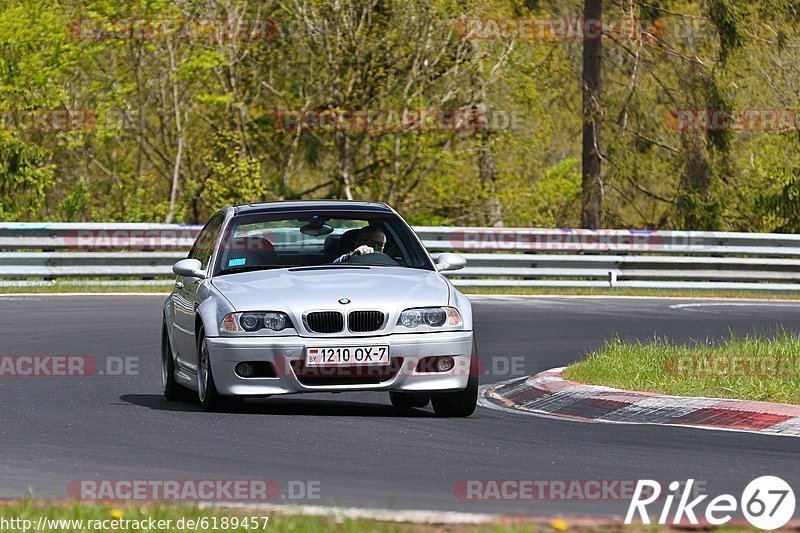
(190, 268)
(448, 261)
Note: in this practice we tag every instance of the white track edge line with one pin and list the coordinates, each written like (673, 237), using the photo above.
(383, 515)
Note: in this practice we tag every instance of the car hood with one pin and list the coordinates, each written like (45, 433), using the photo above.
(299, 290)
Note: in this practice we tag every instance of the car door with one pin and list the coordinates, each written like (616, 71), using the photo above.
(185, 295)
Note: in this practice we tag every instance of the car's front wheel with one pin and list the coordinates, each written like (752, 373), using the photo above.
(206, 389)
(210, 399)
(406, 400)
(460, 403)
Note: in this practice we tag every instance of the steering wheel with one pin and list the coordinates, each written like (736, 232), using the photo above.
(375, 258)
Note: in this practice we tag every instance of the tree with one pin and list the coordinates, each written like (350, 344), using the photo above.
(591, 180)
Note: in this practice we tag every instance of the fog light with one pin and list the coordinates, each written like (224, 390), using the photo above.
(444, 364)
(244, 370)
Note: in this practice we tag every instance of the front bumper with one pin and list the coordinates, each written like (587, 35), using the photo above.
(226, 352)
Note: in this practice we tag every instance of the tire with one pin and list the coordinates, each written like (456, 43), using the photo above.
(173, 392)
(206, 390)
(210, 399)
(407, 400)
(460, 403)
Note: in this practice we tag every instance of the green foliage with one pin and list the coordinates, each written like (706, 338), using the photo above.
(547, 202)
(205, 110)
(784, 204)
(73, 206)
(233, 177)
(729, 19)
(697, 210)
(25, 176)
(717, 99)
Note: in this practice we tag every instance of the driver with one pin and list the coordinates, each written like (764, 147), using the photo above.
(368, 240)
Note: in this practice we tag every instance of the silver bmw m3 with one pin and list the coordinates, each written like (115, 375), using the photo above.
(317, 296)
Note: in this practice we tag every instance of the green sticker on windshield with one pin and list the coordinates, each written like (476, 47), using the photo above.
(237, 262)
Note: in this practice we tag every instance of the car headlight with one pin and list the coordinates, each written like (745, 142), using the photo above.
(434, 317)
(254, 321)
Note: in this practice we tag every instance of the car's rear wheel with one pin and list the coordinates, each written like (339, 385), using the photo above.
(407, 400)
(172, 390)
(460, 403)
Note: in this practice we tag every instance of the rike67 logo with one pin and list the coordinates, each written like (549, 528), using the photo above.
(767, 503)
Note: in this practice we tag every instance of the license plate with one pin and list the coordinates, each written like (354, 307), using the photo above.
(347, 355)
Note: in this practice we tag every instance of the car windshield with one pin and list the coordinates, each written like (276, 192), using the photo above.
(333, 239)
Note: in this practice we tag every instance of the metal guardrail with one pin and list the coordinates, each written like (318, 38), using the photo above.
(135, 254)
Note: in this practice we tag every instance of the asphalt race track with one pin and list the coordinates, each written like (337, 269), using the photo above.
(362, 451)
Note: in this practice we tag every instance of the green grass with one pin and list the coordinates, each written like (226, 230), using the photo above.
(32, 510)
(72, 288)
(225, 519)
(751, 368)
(654, 293)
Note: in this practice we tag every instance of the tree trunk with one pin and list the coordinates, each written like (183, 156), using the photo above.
(176, 170)
(694, 202)
(493, 211)
(591, 182)
(345, 167)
